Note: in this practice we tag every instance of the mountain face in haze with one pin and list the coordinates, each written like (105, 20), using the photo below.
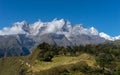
(15, 45)
(22, 37)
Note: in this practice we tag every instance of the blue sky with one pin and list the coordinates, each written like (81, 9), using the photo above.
(102, 14)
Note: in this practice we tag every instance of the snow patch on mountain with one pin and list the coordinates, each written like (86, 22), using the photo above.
(107, 37)
(104, 35)
(117, 37)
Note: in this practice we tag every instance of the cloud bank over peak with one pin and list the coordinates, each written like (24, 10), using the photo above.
(15, 29)
(56, 26)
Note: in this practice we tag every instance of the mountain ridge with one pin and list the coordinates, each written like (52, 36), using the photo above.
(56, 26)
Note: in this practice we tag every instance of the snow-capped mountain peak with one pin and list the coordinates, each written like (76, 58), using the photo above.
(17, 28)
(94, 31)
(34, 28)
(20, 24)
(56, 26)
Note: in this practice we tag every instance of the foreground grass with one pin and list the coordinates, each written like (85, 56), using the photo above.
(63, 60)
(13, 65)
(9, 65)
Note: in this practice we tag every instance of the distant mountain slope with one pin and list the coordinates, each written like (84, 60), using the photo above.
(113, 43)
(13, 45)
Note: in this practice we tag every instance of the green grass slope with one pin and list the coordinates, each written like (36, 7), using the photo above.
(63, 60)
(28, 65)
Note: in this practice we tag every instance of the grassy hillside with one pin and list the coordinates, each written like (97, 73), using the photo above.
(10, 65)
(14, 65)
(63, 60)
(54, 60)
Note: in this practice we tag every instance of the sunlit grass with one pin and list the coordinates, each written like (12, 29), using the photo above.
(63, 60)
